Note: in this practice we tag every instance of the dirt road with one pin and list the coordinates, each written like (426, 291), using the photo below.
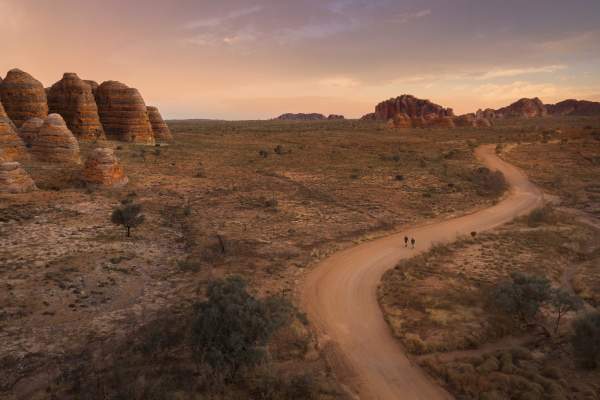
(340, 297)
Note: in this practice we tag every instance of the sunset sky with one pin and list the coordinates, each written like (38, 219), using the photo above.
(256, 59)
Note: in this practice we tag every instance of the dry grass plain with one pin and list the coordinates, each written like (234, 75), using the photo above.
(264, 200)
(439, 304)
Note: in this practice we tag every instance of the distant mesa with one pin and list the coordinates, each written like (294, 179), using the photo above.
(30, 129)
(523, 108)
(55, 142)
(159, 126)
(72, 98)
(411, 106)
(301, 117)
(23, 97)
(12, 146)
(335, 117)
(574, 108)
(14, 179)
(102, 169)
(123, 113)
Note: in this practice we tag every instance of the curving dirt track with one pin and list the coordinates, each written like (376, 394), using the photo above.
(340, 296)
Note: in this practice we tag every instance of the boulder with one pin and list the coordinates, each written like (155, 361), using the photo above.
(574, 107)
(335, 116)
(11, 144)
(23, 97)
(14, 179)
(159, 126)
(301, 117)
(72, 98)
(123, 113)
(102, 169)
(30, 129)
(523, 108)
(411, 106)
(55, 142)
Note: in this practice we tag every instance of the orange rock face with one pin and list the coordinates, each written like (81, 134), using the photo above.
(23, 97)
(55, 142)
(441, 122)
(72, 98)
(11, 145)
(123, 113)
(159, 126)
(411, 106)
(103, 169)
(14, 179)
(30, 129)
(523, 108)
(401, 120)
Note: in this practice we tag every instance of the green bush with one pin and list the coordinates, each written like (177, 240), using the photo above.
(128, 214)
(232, 327)
(521, 296)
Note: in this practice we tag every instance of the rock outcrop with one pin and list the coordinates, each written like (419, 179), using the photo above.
(488, 114)
(574, 107)
(11, 144)
(440, 122)
(335, 116)
(301, 117)
(472, 120)
(14, 179)
(72, 98)
(93, 86)
(411, 106)
(401, 120)
(55, 142)
(523, 108)
(23, 97)
(123, 113)
(159, 126)
(102, 169)
(30, 129)
(368, 117)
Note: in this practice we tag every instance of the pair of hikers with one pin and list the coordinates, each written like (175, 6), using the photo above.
(412, 242)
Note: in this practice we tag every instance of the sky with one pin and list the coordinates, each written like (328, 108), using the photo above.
(256, 59)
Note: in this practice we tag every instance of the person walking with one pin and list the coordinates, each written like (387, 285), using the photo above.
(405, 241)
(412, 242)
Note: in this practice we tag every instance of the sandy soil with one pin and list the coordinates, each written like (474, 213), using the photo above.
(340, 296)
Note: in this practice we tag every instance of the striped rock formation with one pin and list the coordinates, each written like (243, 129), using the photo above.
(102, 169)
(11, 145)
(14, 179)
(23, 97)
(93, 86)
(159, 126)
(30, 129)
(411, 106)
(123, 113)
(55, 142)
(72, 98)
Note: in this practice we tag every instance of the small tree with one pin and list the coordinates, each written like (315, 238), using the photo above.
(563, 302)
(521, 296)
(128, 214)
(231, 326)
(586, 340)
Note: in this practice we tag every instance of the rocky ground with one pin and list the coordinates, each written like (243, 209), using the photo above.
(265, 200)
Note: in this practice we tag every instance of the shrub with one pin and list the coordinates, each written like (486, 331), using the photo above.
(128, 214)
(563, 302)
(521, 296)
(231, 327)
(488, 183)
(586, 340)
(541, 215)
